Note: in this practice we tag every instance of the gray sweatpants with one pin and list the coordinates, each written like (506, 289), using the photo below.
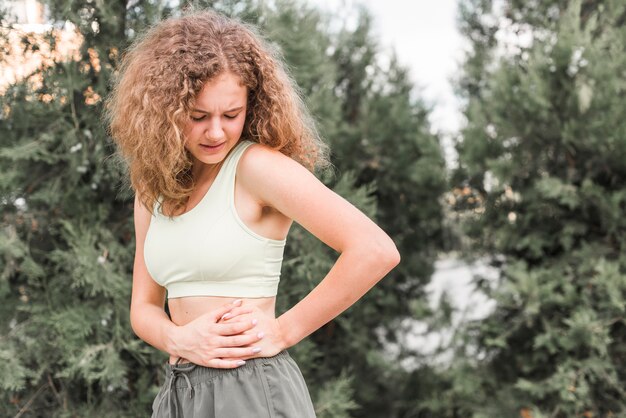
(265, 387)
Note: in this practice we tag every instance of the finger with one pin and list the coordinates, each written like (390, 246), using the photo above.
(219, 363)
(216, 314)
(237, 302)
(235, 327)
(239, 340)
(237, 353)
(235, 312)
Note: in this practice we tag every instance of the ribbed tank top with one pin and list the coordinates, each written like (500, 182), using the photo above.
(209, 250)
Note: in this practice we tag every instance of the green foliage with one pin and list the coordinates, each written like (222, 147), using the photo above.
(544, 152)
(334, 399)
(67, 237)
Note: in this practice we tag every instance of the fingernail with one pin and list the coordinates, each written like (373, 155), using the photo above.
(254, 322)
(256, 350)
(226, 316)
(241, 363)
(237, 302)
(261, 334)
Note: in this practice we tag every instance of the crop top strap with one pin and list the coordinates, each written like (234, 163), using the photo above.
(230, 170)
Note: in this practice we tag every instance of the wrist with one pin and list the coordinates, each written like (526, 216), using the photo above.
(288, 337)
(172, 340)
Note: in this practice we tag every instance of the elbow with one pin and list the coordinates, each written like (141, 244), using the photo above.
(137, 315)
(133, 321)
(387, 253)
(393, 256)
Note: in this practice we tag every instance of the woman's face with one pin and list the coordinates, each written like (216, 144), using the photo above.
(216, 120)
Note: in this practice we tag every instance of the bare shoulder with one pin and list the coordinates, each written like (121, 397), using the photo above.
(257, 155)
(260, 158)
(269, 175)
(282, 183)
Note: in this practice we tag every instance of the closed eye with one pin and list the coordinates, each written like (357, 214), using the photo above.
(198, 119)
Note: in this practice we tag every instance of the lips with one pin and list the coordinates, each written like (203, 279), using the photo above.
(211, 146)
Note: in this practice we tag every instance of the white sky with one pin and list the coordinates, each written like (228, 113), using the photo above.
(426, 39)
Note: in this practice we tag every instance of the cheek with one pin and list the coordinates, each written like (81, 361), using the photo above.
(238, 126)
(191, 130)
(237, 130)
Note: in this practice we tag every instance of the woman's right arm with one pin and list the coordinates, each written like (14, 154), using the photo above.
(202, 341)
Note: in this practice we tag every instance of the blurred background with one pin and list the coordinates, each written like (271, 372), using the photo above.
(486, 137)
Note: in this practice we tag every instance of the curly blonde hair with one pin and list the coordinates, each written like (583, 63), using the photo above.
(159, 77)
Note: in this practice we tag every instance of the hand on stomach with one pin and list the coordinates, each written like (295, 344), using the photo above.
(214, 332)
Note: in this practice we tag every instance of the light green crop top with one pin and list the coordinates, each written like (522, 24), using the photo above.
(209, 251)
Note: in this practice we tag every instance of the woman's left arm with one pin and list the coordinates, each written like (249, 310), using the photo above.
(367, 253)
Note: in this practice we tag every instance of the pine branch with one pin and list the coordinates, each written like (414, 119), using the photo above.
(30, 401)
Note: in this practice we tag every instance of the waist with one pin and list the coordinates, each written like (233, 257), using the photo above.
(185, 309)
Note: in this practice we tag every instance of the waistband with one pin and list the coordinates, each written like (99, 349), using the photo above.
(187, 375)
(195, 373)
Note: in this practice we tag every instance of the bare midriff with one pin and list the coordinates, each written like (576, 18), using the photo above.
(186, 309)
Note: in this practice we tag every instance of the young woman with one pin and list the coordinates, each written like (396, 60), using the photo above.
(221, 154)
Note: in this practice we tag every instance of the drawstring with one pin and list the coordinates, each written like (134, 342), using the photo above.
(176, 371)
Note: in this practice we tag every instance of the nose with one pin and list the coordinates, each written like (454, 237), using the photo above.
(213, 130)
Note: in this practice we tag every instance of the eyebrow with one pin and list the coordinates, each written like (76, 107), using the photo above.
(234, 109)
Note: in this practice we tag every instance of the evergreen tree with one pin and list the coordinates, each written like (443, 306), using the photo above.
(383, 137)
(543, 154)
(67, 240)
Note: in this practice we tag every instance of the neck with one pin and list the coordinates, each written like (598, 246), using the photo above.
(201, 172)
